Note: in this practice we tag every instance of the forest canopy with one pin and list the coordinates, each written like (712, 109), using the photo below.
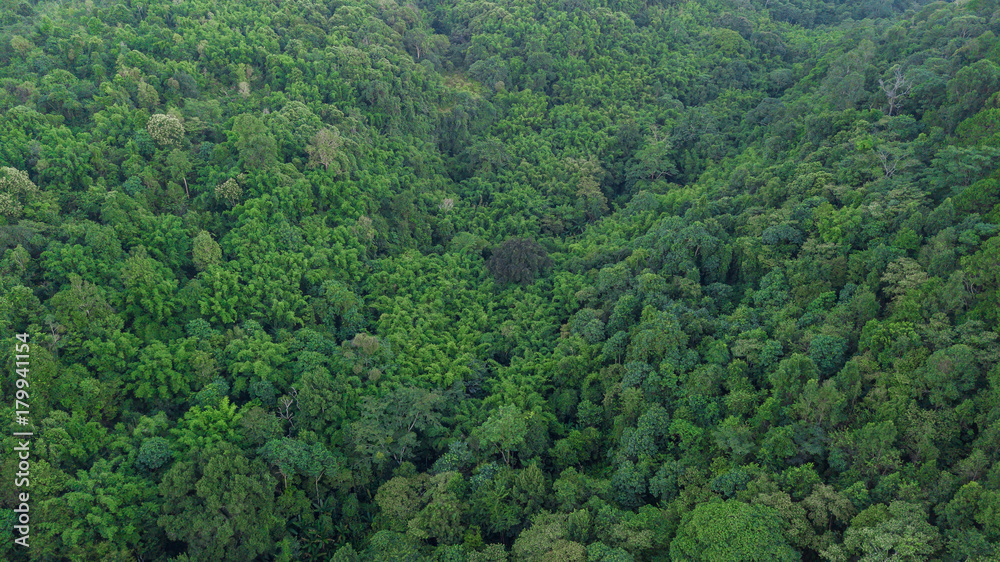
(586, 280)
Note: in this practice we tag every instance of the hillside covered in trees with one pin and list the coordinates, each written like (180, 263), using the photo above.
(580, 280)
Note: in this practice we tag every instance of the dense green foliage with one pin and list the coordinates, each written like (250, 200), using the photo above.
(581, 280)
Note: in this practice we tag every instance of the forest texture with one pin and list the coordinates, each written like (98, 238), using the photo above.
(581, 280)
